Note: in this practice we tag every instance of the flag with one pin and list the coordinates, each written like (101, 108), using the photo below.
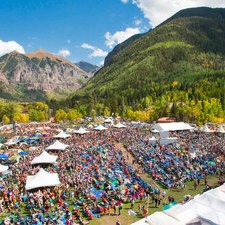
(131, 212)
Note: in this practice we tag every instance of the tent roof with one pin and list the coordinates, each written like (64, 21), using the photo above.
(44, 158)
(100, 127)
(81, 130)
(205, 129)
(62, 135)
(172, 126)
(57, 146)
(206, 209)
(120, 125)
(42, 179)
(221, 130)
(108, 120)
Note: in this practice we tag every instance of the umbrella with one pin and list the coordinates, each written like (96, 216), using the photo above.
(4, 156)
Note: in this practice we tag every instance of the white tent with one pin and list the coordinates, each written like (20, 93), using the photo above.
(100, 127)
(175, 126)
(62, 135)
(205, 129)
(3, 169)
(221, 130)
(205, 209)
(119, 125)
(108, 120)
(81, 130)
(57, 146)
(44, 158)
(42, 179)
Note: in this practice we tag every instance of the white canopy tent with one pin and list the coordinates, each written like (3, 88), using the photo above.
(57, 146)
(221, 130)
(44, 158)
(205, 209)
(81, 130)
(119, 125)
(205, 129)
(62, 135)
(100, 127)
(3, 169)
(42, 179)
(108, 120)
(175, 126)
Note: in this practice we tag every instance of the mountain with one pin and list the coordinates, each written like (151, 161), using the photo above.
(36, 75)
(181, 60)
(87, 67)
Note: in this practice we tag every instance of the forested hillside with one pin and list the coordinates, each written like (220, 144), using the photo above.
(176, 69)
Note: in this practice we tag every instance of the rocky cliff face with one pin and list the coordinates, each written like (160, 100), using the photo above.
(40, 70)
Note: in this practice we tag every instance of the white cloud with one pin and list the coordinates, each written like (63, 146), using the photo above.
(6, 47)
(64, 53)
(124, 1)
(96, 52)
(120, 36)
(137, 22)
(157, 11)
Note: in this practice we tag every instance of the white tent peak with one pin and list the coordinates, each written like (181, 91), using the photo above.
(100, 127)
(57, 146)
(42, 179)
(205, 129)
(45, 157)
(81, 130)
(62, 135)
(120, 125)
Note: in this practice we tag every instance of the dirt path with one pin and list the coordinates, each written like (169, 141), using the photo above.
(129, 159)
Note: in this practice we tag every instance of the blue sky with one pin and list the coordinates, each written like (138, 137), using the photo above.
(82, 29)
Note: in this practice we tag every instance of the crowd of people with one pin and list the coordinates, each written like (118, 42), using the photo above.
(95, 177)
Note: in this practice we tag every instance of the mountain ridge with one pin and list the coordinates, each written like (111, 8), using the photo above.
(42, 71)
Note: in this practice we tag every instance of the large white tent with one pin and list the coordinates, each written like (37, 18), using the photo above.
(57, 146)
(207, 209)
(81, 130)
(100, 127)
(174, 126)
(42, 179)
(62, 135)
(44, 158)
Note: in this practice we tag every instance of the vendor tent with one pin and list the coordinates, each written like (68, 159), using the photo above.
(108, 120)
(42, 179)
(119, 125)
(44, 158)
(175, 126)
(221, 130)
(62, 135)
(81, 130)
(100, 127)
(3, 169)
(57, 146)
(205, 129)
